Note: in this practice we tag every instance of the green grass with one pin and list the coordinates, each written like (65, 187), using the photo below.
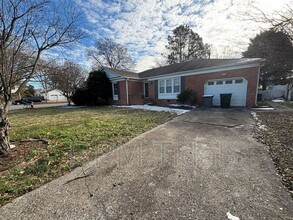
(75, 136)
(288, 104)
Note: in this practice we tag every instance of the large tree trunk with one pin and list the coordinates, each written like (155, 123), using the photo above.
(68, 100)
(4, 131)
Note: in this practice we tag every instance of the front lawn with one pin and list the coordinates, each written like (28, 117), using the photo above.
(52, 141)
(278, 136)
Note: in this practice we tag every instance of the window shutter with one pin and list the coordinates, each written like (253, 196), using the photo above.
(156, 89)
(182, 83)
(118, 88)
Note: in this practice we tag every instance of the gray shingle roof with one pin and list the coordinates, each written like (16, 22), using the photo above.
(196, 64)
(123, 73)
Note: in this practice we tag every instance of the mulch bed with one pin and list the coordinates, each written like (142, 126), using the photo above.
(278, 136)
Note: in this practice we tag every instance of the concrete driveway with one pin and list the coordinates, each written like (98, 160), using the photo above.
(200, 166)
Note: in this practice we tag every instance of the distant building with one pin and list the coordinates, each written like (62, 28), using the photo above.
(52, 95)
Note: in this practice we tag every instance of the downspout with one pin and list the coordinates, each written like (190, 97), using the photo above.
(257, 83)
(126, 85)
(262, 63)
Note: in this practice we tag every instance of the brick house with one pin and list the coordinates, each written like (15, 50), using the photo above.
(161, 85)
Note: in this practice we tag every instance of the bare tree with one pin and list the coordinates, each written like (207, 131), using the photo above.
(279, 20)
(27, 29)
(66, 78)
(110, 54)
(43, 75)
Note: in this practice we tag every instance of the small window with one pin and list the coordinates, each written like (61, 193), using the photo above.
(162, 86)
(239, 81)
(168, 86)
(219, 82)
(228, 81)
(115, 88)
(176, 85)
(210, 83)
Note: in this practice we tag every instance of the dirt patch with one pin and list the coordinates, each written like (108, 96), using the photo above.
(16, 157)
(278, 136)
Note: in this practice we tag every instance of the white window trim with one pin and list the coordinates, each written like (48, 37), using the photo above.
(115, 97)
(165, 95)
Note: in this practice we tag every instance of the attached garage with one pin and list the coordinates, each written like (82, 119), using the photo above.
(236, 86)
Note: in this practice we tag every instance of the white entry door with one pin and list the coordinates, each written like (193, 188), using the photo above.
(236, 86)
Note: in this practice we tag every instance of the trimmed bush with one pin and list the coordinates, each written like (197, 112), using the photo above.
(79, 97)
(187, 97)
(97, 91)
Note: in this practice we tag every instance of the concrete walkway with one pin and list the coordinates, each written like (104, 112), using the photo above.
(200, 166)
(278, 107)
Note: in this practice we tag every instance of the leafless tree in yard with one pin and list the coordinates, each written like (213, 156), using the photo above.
(278, 20)
(27, 29)
(43, 75)
(66, 78)
(110, 54)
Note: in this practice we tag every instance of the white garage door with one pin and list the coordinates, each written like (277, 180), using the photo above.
(53, 98)
(237, 86)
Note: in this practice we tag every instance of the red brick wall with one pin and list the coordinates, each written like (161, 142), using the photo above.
(152, 92)
(196, 83)
(122, 94)
(135, 92)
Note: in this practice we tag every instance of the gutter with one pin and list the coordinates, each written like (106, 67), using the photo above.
(255, 63)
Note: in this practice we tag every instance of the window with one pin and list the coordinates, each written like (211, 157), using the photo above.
(210, 83)
(115, 91)
(239, 81)
(219, 82)
(176, 87)
(228, 81)
(162, 86)
(169, 86)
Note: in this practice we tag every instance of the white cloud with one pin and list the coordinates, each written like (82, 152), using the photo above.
(143, 26)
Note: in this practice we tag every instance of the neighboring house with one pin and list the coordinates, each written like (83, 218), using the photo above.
(53, 95)
(161, 85)
(14, 90)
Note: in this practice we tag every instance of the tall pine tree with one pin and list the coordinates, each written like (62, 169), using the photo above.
(186, 45)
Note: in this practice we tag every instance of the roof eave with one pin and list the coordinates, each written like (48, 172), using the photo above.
(259, 62)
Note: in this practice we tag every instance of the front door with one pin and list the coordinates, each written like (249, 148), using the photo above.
(146, 90)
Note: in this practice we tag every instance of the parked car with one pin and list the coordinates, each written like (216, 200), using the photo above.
(23, 101)
(28, 100)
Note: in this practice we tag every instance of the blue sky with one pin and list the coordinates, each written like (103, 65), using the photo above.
(143, 26)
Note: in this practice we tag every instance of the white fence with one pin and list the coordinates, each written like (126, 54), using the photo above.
(276, 91)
